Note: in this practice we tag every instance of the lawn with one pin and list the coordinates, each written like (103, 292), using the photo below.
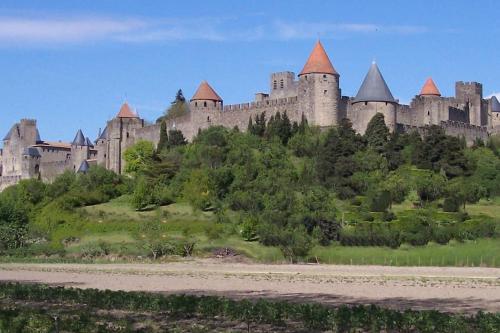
(483, 252)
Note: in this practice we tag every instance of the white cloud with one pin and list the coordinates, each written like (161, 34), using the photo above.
(306, 30)
(60, 30)
(53, 30)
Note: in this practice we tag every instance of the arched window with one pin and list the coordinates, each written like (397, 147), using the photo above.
(281, 84)
(275, 84)
(205, 104)
(208, 119)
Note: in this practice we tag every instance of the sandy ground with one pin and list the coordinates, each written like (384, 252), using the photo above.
(445, 289)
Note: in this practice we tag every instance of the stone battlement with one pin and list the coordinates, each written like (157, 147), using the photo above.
(262, 104)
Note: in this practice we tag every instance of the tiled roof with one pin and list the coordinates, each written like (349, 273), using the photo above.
(126, 112)
(374, 88)
(206, 92)
(318, 62)
(430, 89)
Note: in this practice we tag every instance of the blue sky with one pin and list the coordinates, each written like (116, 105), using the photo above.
(70, 64)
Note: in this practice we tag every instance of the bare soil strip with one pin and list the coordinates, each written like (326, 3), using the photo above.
(441, 288)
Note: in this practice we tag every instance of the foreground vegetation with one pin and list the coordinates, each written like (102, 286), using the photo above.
(280, 191)
(67, 314)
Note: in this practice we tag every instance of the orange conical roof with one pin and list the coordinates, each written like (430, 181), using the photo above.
(126, 112)
(206, 92)
(318, 62)
(430, 89)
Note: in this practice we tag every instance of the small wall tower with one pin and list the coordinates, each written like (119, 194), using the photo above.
(318, 89)
(430, 96)
(120, 134)
(79, 150)
(205, 105)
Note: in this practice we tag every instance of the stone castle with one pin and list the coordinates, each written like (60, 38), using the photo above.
(315, 93)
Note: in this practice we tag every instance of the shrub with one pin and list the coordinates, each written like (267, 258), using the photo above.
(451, 204)
(380, 201)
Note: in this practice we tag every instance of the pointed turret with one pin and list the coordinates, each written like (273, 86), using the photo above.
(126, 112)
(88, 142)
(495, 105)
(318, 62)
(374, 88)
(79, 139)
(430, 89)
(206, 92)
(84, 167)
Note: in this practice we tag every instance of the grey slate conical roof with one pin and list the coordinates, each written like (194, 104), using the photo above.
(374, 88)
(79, 139)
(495, 105)
(103, 135)
(38, 138)
(88, 142)
(84, 167)
(11, 132)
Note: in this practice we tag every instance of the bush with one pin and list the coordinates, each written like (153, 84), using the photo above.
(380, 201)
(95, 249)
(451, 204)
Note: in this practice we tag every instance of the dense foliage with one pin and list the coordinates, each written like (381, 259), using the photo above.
(313, 317)
(284, 183)
(31, 209)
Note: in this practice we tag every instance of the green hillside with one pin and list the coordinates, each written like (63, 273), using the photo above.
(280, 192)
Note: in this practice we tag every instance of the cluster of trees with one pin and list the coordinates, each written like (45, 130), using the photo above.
(30, 209)
(285, 179)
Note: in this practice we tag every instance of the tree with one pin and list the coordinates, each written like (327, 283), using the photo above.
(163, 143)
(431, 187)
(465, 191)
(377, 133)
(178, 107)
(397, 187)
(141, 197)
(139, 156)
(176, 138)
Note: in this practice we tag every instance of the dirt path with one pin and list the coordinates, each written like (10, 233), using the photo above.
(444, 289)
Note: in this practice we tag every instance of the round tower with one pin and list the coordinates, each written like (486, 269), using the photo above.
(430, 97)
(79, 150)
(373, 97)
(319, 93)
(205, 106)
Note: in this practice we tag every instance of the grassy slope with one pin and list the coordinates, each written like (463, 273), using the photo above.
(120, 226)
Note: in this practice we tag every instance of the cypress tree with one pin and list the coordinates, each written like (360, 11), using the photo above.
(377, 133)
(250, 127)
(285, 130)
(163, 144)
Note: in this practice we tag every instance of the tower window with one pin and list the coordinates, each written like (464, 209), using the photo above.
(208, 118)
(195, 103)
(428, 113)
(366, 103)
(205, 104)
(128, 134)
(324, 92)
(275, 84)
(281, 84)
(324, 76)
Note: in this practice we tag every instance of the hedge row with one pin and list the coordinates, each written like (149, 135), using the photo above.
(313, 316)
